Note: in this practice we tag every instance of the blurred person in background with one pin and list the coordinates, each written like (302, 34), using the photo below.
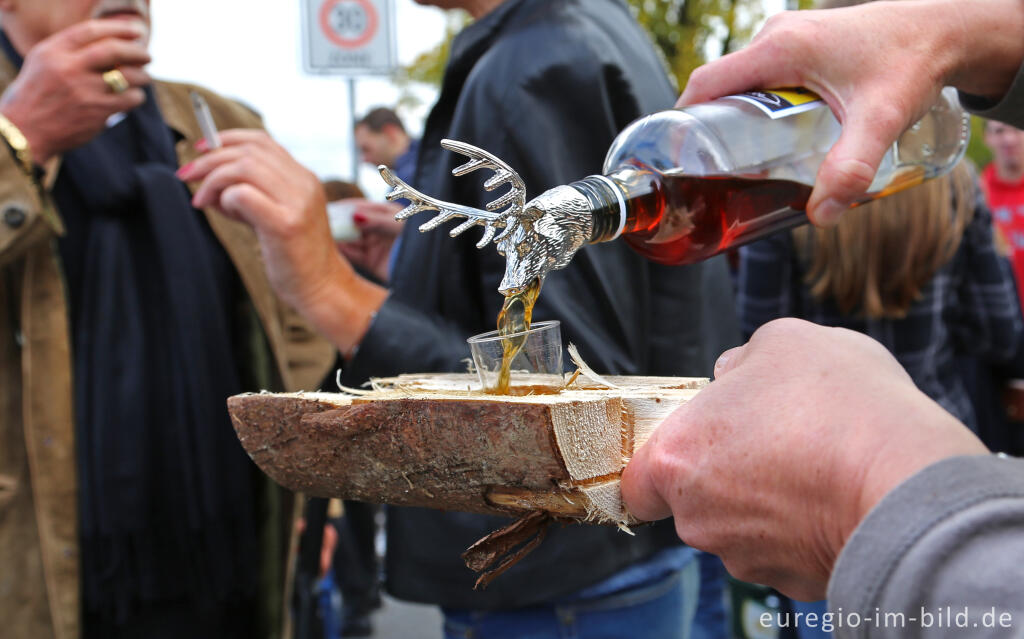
(382, 141)
(335, 189)
(545, 85)
(1002, 182)
(127, 505)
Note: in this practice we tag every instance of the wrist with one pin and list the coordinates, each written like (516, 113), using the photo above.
(39, 152)
(981, 47)
(908, 449)
(343, 306)
(18, 145)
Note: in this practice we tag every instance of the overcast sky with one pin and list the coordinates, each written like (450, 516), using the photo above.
(251, 50)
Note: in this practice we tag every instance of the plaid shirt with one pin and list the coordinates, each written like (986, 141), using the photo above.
(969, 307)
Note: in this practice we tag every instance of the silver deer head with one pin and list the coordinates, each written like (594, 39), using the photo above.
(534, 237)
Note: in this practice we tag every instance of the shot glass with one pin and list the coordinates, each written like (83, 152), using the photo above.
(535, 368)
(339, 215)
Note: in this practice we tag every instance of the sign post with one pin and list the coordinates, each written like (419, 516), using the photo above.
(350, 38)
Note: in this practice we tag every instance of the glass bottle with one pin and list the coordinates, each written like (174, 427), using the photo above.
(685, 184)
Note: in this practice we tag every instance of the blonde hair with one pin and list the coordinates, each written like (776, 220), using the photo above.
(875, 261)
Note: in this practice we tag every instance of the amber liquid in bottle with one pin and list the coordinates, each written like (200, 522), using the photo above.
(681, 219)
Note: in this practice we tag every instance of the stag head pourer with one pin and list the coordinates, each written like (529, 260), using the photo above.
(535, 237)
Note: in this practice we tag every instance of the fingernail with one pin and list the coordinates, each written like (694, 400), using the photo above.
(184, 171)
(827, 213)
(201, 145)
(359, 218)
(722, 361)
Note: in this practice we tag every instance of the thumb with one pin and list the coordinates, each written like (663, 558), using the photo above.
(729, 360)
(851, 165)
(640, 494)
(248, 204)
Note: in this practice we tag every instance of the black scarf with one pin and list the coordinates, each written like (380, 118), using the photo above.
(166, 497)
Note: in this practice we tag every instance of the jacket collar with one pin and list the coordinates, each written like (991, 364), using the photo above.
(472, 41)
(177, 115)
(467, 47)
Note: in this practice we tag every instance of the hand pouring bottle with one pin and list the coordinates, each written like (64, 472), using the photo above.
(682, 185)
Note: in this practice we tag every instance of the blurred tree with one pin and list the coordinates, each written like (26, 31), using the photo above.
(977, 152)
(690, 32)
(687, 32)
(428, 67)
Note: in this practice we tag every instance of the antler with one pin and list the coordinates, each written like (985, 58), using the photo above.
(498, 210)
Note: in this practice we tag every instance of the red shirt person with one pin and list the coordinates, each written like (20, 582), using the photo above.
(1003, 184)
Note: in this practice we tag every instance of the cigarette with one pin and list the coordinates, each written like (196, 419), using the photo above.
(205, 120)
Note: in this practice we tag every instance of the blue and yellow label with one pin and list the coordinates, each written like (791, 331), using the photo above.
(779, 103)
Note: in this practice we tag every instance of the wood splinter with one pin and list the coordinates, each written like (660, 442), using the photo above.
(528, 530)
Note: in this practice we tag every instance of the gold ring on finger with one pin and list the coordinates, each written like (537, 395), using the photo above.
(116, 81)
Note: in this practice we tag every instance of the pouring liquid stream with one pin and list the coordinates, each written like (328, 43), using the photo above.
(514, 319)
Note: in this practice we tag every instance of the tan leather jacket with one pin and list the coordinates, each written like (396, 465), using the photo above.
(39, 567)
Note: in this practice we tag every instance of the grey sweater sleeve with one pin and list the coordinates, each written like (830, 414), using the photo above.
(940, 555)
(1009, 109)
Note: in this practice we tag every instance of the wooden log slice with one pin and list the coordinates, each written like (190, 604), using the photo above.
(434, 441)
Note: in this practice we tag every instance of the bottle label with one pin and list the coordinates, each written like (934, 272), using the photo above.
(779, 103)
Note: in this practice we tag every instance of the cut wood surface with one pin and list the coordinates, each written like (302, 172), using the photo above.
(436, 441)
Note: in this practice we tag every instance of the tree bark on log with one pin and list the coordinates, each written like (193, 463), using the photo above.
(433, 441)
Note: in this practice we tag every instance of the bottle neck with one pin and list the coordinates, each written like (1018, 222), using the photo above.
(607, 207)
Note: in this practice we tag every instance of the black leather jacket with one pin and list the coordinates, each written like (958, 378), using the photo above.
(545, 85)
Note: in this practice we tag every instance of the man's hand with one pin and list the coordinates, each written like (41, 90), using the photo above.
(378, 230)
(59, 100)
(254, 180)
(774, 464)
(879, 66)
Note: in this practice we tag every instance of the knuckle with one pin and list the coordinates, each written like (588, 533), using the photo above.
(83, 32)
(696, 536)
(135, 97)
(776, 22)
(850, 176)
(744, 571)
(780, 328)
(700, 77)
(55, 64)
(291, 225)
(781, 25)
(664, 467)
(289, 222)
(889, 116)
(791, 36)
(79, 94)
(689, 535)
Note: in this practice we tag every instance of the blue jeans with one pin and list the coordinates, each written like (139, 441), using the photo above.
(662, 609)
(711, 621)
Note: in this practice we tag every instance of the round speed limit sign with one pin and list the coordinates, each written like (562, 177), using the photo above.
(349, 24)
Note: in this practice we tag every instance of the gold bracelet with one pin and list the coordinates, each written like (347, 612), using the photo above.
(18, 144)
